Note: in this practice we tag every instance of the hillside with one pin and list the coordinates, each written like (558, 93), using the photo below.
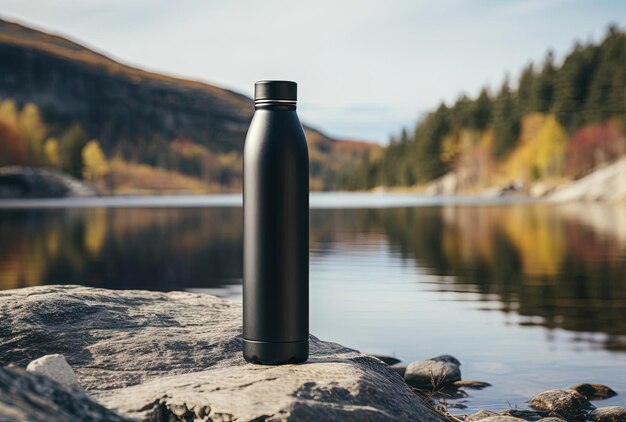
(57, 96)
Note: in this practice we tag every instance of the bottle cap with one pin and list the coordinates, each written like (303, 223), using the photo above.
(276, 91)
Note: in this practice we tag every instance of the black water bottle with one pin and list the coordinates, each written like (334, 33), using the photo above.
(276, 230)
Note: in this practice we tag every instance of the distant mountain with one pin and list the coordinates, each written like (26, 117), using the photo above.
(184, 126)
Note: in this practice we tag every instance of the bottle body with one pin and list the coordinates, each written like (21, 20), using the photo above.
(276, 237)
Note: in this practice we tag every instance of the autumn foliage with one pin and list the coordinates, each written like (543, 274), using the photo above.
(592, 145)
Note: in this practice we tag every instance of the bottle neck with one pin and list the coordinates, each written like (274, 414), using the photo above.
(274, 105)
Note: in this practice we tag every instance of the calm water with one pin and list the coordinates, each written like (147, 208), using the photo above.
(527, 296)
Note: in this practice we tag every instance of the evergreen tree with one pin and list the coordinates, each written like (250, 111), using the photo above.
(481, 111)
(572, 85)
(526, 90)
(543, 92)
(606, 92)
(505, 121)
(462, 111)
(429, 135)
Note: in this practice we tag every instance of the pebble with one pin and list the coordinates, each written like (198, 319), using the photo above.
(527, 415)
(476, 385)
(609, 414)
(56, 368)
(594, 391)
(424, 373)
(480, 415)
(567, 403)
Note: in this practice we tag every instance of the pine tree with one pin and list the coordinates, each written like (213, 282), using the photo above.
(572, 85)
(543, 92)
(481, 111)
(505, 121)
(526, 89)
(606, 93)
(429, 135)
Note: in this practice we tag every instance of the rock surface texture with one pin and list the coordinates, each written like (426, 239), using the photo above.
(26, 396)
(177, 356)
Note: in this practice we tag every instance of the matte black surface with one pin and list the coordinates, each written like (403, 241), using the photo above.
(272, 353)
(276, 237)
(275, 90)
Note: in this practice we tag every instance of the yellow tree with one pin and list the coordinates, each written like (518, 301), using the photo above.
(551, 142)
(94, 161)
(9, 113)
(51, 150)
(33, 132)
(12, 148)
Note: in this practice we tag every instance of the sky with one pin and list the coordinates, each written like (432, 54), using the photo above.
(364, 68)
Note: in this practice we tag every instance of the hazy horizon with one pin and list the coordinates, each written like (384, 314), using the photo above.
(358, 75)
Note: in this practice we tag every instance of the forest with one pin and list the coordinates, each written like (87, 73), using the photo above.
(557, 121)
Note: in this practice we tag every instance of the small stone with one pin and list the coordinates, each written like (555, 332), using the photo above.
(594, 391)
(567, 403)
(179, 410)
(480, 415)
(400, 369)
(550, 419)
(55, 367)
(527, 415)
(476, 385)
(201, 411)
(447, 358)
(609, 414)
(389, 360)
(502, 419)
(431, 374)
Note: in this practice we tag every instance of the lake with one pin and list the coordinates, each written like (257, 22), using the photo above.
(529, 296)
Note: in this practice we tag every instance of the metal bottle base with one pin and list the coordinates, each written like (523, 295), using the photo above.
(266, 353)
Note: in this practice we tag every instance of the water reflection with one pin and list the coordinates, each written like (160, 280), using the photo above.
(554, 266)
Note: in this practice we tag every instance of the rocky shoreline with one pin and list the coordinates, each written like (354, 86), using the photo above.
(40, 182)
(606, 183)
(97, 354)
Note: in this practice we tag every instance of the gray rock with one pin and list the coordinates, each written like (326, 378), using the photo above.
(55, 367)
(566, 403)
(447, 358)
(550, 419)
(609, 414)
(594, 391)
(502, 419)
(431, 374)
(400, 369)
(527, 415)
(476, 385)
(480, 415)
(26, 396)
(38, 182)
(152, 356)
(389, 360)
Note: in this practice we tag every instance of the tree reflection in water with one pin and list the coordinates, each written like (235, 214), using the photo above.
(557, 266)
